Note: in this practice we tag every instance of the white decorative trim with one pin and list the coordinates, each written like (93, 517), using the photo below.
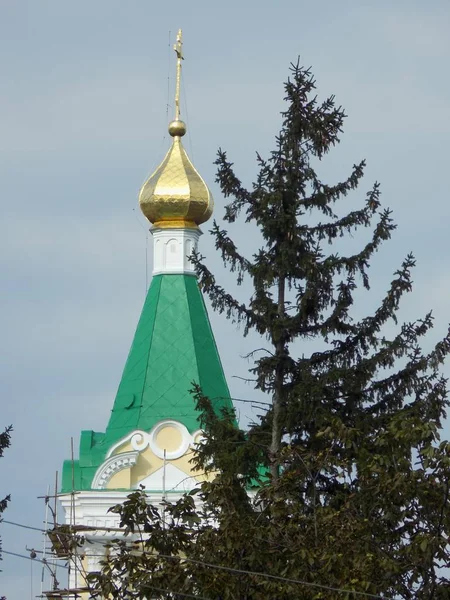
(197, 438)
(186, 440)
(139, 441)
(94, 558)
(123, 441)
(171, 249)
(111, 466)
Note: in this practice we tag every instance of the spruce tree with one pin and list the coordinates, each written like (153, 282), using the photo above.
(341, 490)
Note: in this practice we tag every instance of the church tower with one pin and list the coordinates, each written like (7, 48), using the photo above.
(153, 426)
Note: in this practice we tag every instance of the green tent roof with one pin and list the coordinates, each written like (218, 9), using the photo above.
(173, 346)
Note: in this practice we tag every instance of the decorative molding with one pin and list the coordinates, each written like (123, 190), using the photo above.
(197, 438)
(186, 440)
(111, 466)
(139, 441)
(94, 558)
(123, 441)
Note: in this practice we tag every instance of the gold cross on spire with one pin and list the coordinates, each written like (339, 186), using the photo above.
(178, 47)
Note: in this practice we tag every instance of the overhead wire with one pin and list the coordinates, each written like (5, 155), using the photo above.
(206, 564)
(65, 533)
(270, 576)
(260, 574)
(168, 77)
(183, 88)
(251, 573)
(183, 594)
(83, 572)
(24, 526)
(45, 562)
(242, 400)
(237, 571)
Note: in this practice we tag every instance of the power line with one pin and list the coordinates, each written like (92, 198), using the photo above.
(149, 586)
(183, 87)
(260, 574)
(45, 562)
(244, 400)
(184, 594)
(274, 577)
(23, 526)
(246, 572)
(212, 566)
(82, 531)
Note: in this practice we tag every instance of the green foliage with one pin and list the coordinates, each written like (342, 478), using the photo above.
(342, 489)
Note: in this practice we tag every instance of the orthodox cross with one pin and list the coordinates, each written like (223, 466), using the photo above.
(178, 47)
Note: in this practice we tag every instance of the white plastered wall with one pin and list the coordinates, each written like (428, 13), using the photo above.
(171, 249)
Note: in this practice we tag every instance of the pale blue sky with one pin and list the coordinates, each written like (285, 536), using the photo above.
(83, 121)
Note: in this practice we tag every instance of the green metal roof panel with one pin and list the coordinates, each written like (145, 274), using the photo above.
(125, 413)
(173, 347)
(211, 376)
(71, 476)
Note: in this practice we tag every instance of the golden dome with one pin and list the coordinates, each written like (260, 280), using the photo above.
(176, 195)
